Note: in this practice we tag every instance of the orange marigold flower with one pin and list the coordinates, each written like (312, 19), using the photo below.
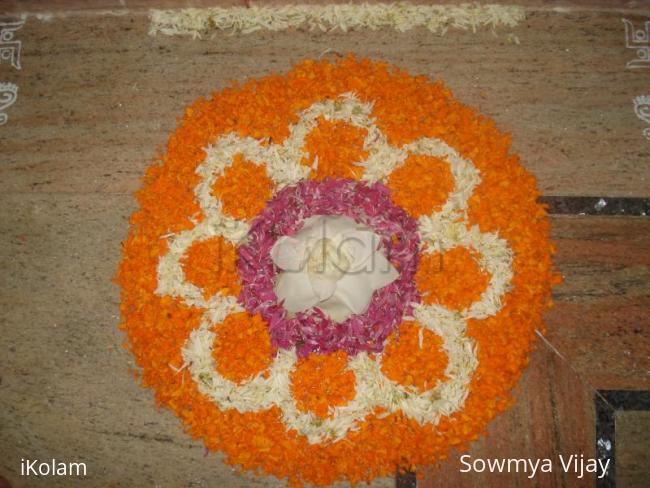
(411, 363)
(322, 381)
(242, 347)
(421, 185)
(338, 146)
(212, 266)
(453, 278)
(243, 189)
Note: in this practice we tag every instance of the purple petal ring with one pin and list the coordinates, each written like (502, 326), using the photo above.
(312, 330)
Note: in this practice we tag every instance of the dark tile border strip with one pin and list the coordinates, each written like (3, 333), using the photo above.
(405, 479)
(596, 205)
(608, 402)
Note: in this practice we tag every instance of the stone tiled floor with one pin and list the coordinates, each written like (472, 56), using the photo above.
(633, 455)
(98, 97)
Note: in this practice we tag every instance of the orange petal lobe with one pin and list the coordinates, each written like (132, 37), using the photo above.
(236, 360)
(421, 185)
(338, 146)
(452, 279)
(243, 189)
(212, 266)
(322, 381)
(410, 363)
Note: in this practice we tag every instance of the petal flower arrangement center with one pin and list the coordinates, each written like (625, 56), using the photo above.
(331, 263)
(330, 266)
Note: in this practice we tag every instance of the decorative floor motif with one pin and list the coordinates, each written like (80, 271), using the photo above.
(9, 51)
(10, 48)
(642, 110)
(8, 95)
(639, 40)
(303, 397)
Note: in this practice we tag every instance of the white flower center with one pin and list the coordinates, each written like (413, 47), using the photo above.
(332, 263)
(328, 260)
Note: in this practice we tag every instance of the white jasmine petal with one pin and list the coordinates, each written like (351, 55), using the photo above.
(289, 253)
(296, 291)
(360, 245)
(322, 287)
(354, 291)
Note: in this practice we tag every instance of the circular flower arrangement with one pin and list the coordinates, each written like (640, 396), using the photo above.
(426, 363)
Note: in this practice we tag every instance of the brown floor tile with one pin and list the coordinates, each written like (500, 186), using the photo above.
(632, 449)
(600, 322)
(62, 5)
(554, 415)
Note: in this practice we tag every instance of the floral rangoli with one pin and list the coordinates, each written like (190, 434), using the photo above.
(348, 372)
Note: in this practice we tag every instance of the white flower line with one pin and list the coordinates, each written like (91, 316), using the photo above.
(441, 230)
(401, 16)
